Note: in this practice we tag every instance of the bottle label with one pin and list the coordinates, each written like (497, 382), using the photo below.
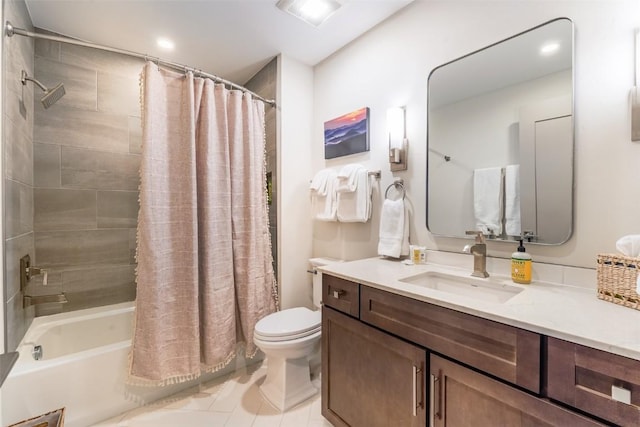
(521, 270)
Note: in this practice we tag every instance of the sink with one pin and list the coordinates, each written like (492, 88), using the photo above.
(471, 287)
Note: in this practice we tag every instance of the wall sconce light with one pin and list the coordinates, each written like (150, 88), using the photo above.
(398, 144)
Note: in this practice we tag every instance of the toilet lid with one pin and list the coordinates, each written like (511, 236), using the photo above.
(290, 323)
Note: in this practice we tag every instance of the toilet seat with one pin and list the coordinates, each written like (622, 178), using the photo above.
(289, 324)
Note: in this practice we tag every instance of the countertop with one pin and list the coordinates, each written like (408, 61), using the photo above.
(566, 312)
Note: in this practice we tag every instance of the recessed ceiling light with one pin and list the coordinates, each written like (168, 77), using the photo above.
(549, 48)
(313, 12)
(165, 43)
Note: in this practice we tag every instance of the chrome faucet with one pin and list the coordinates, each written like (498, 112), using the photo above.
(479, 252)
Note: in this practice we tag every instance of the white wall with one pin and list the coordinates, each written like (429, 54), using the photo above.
(389, 65)
(295, 95)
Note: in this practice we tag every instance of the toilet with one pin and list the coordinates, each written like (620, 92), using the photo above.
(288, 338)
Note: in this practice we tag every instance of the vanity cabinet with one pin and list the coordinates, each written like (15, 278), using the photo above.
(463, 397)
(370, 378)
(391, 360)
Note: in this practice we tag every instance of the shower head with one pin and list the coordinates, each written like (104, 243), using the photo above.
(50, 97)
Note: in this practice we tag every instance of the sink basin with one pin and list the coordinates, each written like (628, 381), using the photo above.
(470, 287)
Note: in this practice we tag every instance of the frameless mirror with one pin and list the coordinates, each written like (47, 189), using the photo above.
(500, 139)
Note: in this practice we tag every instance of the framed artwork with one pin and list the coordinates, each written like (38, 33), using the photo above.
(347, 134)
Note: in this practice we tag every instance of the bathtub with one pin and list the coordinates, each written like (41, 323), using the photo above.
(83, 368)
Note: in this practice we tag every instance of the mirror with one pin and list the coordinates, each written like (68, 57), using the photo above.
(500, 139)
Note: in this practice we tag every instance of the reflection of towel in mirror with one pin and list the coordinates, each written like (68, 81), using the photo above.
(487, 200)
(354, 194)
(512, 200)
(394, 229)
(323, 195)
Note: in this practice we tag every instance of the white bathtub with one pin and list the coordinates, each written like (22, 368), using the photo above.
(83, 368)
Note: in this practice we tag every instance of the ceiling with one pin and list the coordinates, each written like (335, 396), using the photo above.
(230, 38)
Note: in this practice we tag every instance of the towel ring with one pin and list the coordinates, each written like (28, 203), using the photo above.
(399, 186)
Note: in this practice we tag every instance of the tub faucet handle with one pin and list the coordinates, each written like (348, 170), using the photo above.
(35, 271)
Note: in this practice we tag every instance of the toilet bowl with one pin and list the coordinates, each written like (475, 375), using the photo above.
(288, 338)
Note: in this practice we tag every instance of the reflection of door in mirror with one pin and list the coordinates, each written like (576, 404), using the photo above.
(482, 110)
(546, 151)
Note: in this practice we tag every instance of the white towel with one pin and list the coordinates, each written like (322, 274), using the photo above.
(348, 177)
(487, 200)
(354, 195)
(629, 245)
(394, 229)
(512, 200)
(323, 195)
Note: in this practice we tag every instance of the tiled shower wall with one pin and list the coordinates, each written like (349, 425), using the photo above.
(18, 168)
(264, 83)
(86, 158)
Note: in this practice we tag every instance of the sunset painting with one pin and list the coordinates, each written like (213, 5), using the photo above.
(347, 134)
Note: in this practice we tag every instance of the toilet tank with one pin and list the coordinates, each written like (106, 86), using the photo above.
(317, 276)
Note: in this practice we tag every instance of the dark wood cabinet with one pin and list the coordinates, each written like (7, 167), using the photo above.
(379, 351)
(370, 378)
(509, 353)
(462, 397)
(588, 379)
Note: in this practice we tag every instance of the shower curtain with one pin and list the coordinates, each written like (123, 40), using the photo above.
(204, 275)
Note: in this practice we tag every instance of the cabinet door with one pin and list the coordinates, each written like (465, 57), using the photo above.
(370, 378)
(462, 397)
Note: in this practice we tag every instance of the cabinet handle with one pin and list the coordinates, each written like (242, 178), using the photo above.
(436, 385)
(337, 294)
(416, 371)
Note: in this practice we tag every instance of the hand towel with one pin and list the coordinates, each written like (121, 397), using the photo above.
(354, 200)
(487, 200)
(629, 245)
(323, 195)
(394, 229)
(512, 200)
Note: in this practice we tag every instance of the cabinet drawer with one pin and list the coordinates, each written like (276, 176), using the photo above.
(341, 294)
(506, 352)
(583, 377)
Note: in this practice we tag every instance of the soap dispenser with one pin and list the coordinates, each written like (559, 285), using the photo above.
(521, 265)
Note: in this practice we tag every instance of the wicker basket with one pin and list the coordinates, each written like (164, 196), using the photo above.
(617, 275)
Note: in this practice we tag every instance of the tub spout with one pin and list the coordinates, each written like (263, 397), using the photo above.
(28, 300)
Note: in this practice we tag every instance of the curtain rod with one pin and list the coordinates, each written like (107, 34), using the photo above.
(10, 30)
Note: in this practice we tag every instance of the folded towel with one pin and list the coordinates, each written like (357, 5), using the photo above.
(320, 181)
(487, 200)
(512, 200)
(629, 245)
(348, 177)
(323, 195)
(355, 205)
(394, 229)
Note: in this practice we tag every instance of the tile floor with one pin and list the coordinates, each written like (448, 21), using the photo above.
(233, 400)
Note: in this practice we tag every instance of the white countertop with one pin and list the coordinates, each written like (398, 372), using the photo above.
(557, 310)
